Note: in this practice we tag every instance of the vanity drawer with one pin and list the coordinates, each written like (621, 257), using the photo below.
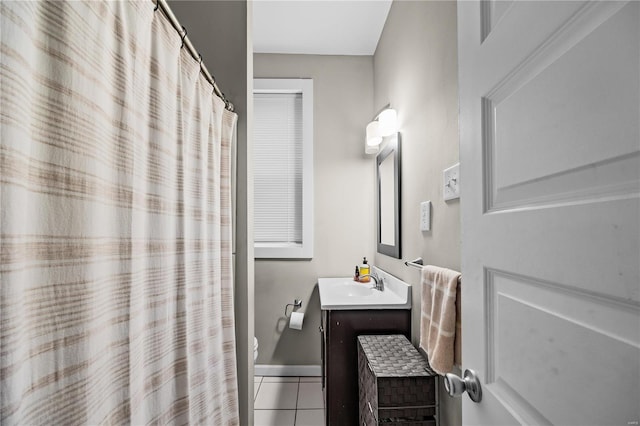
(396, 384)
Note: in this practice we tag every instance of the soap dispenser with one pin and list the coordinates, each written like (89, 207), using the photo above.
(364, 270)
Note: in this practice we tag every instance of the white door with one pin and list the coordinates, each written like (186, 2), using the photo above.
(550, 165)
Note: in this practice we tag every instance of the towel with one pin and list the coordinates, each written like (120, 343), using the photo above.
(440, 335)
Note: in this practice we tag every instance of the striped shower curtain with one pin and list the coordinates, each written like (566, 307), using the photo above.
(115, 230)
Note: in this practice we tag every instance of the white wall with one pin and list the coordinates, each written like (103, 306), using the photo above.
(415, 70)
(343, 202)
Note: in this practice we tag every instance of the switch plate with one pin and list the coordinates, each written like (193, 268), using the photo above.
(425, 216)
(451, 182)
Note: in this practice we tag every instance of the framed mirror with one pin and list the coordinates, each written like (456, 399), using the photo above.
(388, 171)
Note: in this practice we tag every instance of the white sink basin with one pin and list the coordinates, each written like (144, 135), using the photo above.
(353, 289)
(344, 293)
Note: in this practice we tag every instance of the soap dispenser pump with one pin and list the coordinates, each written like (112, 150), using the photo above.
(364, 270)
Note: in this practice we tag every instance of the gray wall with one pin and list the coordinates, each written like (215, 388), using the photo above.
(343, 202)
(415, 69)
(221, 32)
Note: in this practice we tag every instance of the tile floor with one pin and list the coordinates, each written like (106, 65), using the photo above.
(288, 401)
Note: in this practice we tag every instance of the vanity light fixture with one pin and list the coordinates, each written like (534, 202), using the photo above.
(383, 125)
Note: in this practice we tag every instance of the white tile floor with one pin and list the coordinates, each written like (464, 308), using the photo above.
(288, 401)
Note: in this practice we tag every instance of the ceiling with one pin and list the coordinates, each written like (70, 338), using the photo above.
(318, 27)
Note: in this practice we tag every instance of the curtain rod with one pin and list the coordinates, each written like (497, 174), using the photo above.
(162, 4)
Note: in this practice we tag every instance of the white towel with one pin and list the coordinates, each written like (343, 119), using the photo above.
(440, 318)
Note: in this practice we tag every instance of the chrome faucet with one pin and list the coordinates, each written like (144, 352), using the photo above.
(378, 280)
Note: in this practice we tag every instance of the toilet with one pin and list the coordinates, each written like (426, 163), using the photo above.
(255, 349)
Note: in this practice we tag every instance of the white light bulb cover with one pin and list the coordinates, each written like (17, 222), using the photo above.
(373, 134)
(388, 122)
(371, 149)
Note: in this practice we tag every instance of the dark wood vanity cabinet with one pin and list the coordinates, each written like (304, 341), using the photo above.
(339, 332)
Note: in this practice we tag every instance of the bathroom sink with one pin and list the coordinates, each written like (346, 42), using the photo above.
(353, 289)
(343, 293)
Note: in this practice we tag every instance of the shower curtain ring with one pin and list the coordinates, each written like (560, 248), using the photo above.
(157, 5)
(183, 36)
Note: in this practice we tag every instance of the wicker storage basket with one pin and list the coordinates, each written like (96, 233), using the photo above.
(396, 384)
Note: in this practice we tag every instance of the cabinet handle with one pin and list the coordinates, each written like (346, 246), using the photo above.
(370, 409)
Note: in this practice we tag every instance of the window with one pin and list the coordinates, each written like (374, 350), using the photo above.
(283, 168)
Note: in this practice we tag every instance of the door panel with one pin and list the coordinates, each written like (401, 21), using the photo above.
(545, 338)
(554, 131)
(550, 165)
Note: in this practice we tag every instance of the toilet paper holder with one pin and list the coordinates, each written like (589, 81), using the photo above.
(296, 304)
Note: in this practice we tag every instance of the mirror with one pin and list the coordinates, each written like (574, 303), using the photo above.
(388, 170)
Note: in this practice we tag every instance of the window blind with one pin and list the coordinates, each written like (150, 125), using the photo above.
(278, 147)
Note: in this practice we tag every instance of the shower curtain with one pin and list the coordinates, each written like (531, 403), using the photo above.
(115, 230)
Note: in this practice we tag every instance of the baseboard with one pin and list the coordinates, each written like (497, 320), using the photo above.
(287, 370)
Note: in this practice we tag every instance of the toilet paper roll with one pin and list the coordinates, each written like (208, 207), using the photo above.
(296, 319)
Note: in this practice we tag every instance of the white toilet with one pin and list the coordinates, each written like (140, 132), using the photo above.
(255, 348)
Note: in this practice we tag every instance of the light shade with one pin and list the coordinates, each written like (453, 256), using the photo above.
(373, 134)
(388, 122)
(371, 149)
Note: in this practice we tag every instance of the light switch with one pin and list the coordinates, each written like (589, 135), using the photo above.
(425, 216)
(451, 182)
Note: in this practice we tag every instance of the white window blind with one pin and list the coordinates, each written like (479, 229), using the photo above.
(278, 171)
(283, 168)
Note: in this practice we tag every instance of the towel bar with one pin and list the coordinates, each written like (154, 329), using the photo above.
(415, 263)
(418, 263)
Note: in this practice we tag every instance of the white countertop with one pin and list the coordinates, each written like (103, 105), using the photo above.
(343, 293)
